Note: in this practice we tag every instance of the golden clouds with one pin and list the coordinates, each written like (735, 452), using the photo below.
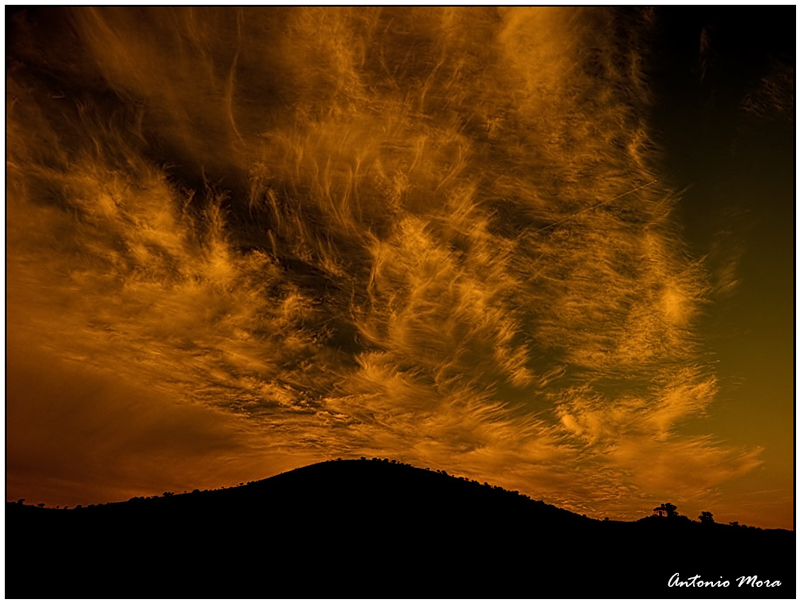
(418, 233)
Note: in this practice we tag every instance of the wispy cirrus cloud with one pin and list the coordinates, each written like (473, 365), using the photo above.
(434, 234)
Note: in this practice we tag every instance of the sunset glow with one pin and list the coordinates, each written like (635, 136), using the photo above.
(240, 241)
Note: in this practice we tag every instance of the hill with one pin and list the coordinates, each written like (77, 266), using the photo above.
(377, 529)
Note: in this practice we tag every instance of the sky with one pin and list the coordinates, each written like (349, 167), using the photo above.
(547, 248)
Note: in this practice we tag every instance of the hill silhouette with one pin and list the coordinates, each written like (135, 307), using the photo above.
(377, 529)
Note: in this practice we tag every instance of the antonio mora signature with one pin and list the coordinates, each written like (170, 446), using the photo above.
(696, 581)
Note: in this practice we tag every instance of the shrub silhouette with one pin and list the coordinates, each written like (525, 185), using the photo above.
(706, 517)
(672, 510)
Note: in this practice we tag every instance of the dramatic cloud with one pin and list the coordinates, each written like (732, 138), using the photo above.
(434, 234)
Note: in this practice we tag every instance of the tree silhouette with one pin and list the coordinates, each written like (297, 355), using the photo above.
(706, 517)
(670, 509)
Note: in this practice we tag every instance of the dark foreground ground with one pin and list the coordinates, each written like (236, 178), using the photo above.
(357, 529)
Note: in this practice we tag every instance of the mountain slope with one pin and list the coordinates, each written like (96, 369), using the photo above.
(374, 529)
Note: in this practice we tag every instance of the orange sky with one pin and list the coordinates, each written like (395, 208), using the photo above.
(472, 239)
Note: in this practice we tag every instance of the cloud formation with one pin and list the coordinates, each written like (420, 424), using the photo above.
(435, 234)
